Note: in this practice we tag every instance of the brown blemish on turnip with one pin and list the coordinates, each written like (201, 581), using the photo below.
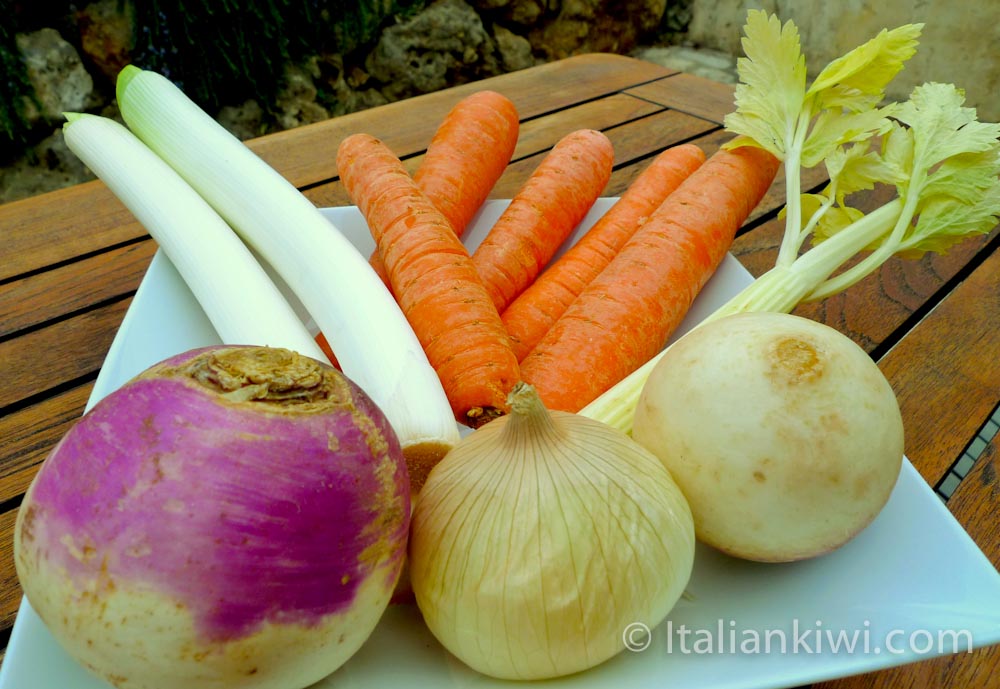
(759, 476)
(794, 361)
(834, 422)
(862, 485)
(28, 516)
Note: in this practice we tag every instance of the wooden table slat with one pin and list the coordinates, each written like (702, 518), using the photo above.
(72, 287)
(700, 97)
(62, 225)
(30, 433)
(10, 590)
(950, 390)
(539, 134)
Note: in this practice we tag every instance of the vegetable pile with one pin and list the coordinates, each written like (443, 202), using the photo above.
(556, 521)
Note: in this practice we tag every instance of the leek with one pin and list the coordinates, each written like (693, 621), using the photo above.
(239, 299)
(371, 338)
(943, 163)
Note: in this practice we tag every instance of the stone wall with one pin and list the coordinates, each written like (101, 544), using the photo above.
(454, 41)
(959, 44)
(448, 42)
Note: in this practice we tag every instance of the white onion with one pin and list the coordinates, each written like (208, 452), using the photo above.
(540, 537)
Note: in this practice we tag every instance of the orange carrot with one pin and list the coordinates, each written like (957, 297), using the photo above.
(467, 155)
(434, 281)
(534, 312)
(325, 347)
(542, 213)
(465, 158)
(624, 317)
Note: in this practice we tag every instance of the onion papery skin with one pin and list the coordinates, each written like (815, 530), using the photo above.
(177, 538)
(528, 563)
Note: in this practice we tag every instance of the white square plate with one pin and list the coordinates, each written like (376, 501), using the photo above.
(910, 586)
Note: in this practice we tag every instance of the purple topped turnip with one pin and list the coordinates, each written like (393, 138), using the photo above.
(232, 517)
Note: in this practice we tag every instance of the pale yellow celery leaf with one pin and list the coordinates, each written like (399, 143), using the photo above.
(858, 168)
(847, 92)
(851, 169)
(834, 220)
(771, 90)
(743, 140)
(964, 177)
(941, 126)
(810, 204)
(868, 69)
(832, 129)
(945, 221)
(897, 152)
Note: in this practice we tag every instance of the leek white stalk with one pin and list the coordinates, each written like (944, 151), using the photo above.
(541, 538)
(370, 337)
(240, 300)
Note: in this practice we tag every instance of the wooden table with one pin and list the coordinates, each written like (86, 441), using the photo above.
(72, 259)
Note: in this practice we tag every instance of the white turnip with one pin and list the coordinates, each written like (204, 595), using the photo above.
(232, 517)
(782, 433)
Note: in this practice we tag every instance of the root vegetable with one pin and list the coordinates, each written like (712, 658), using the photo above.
(782, 433)
(232, 517)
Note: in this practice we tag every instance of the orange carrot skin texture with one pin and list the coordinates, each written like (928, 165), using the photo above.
(540, 217)
(537, 309)
(466, 156)
(624, 317)
(434, 281)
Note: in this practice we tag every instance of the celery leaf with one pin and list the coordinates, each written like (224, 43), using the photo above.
(857, 81)
(964, 177)
(772, 84)
(832, 129)
(942, 127)
(857, 168)
(945, 221)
